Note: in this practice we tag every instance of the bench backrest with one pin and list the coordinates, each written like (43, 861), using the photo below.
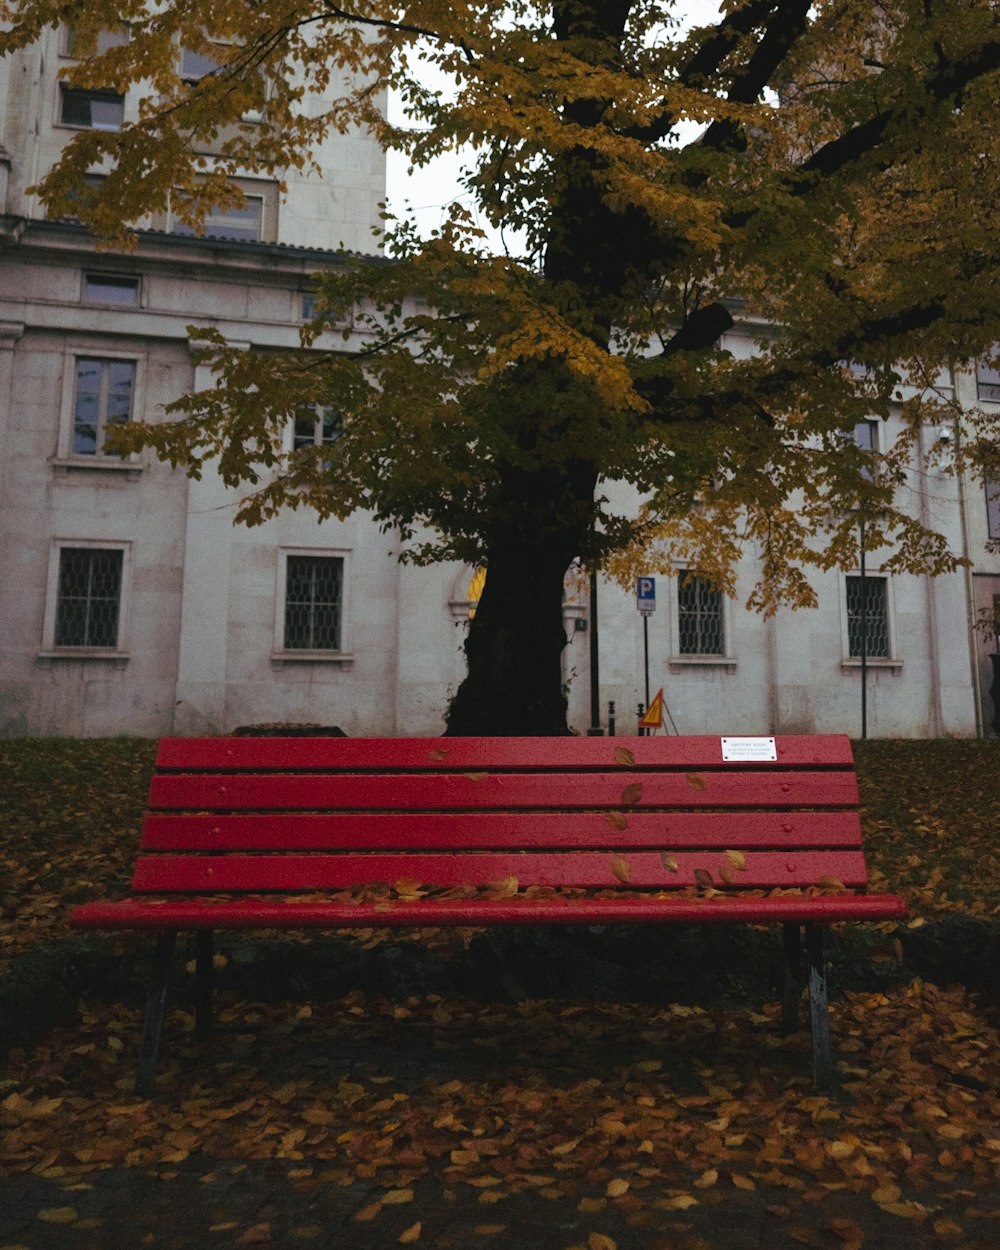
(313, 814)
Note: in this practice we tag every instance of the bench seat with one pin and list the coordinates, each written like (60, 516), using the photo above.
(340, 833)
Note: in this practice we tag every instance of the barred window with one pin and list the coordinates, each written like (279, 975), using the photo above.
(875, 629)
(102, 398)
(700, 619)
(89, 597)
(313, 601)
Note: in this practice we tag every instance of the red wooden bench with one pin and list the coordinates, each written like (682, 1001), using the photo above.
(246, 833)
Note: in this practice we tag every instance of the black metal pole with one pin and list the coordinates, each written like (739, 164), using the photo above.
(595, 730)
(645, 651)
(864, 639)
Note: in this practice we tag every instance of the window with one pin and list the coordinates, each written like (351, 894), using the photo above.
(866, 438)
(313, 602)
(198, 65)
(102, 397)
(316, 426)
(244, 224)
(988, 382)
(110, 288)
(700, 616)
(88, 597)
(868, 617)
(993, 508)
(93, 110)
(110, 37)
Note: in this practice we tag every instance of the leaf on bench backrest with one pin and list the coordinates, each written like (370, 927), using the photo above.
(625, 757)
(632, 794)
(616, 820)
(622, 870)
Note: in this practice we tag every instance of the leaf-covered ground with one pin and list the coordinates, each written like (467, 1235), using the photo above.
(440, 1121)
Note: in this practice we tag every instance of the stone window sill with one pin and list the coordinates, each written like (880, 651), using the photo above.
(340, 659)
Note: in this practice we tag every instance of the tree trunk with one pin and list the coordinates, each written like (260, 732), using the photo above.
(516, 638)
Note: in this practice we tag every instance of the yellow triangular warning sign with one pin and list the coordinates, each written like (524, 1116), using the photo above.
(653, 718)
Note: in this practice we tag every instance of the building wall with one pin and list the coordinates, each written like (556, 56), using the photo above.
(201, 646)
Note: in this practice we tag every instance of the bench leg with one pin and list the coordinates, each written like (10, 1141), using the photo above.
(819, 1017)
(203, 982)
(156, 1004)
(794, 977)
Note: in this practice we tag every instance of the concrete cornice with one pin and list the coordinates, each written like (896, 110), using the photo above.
(226, 257)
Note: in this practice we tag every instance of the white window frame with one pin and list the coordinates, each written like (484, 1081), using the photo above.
(252, 117)
(892, 660)
(280, 655)
(120, 651)
(726, 659)
(990, 382)
(65, 456)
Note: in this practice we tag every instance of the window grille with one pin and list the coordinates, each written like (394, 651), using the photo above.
(103, 397)
(313, 598)
(700, 619)
(876, 614)
(90, 586)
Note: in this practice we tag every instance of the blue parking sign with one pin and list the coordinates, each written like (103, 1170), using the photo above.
(645, 595)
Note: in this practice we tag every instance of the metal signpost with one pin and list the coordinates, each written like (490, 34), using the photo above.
(645, 601)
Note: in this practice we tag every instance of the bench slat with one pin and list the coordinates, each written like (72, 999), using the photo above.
(585, 868)
(504, 790)
(498, 830)
(630, 909)
(387, 754)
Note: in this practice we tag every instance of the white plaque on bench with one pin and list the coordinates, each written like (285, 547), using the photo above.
(749, 749)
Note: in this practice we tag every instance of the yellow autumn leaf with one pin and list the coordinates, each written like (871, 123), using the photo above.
(887, 1192)
(57, 1215)
(367, 1213)
(617, 821)
(599, 1241)
(948, 1229)
(396, 1197)
(726, 874)
(707, 1179)
(737, 859)
(461, 1157)
(411, 1234)
(743, 1182)
(506, 887)
(669, 862)
(840, 1149)
(566, 1147)
(681, 1202)
(624, 757)
(617, 1186)
(590, 1205)
(621, 869)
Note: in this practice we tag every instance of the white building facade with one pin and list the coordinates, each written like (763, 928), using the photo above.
(131, 604)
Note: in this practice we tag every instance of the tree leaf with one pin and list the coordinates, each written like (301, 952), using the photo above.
(624, 757)
(696, 781)
(617, 821)
(621, 869)
(703, 877)
(737, 859)
(631, 794)
(668, 862)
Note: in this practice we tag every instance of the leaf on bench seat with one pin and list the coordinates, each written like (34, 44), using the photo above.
(695, 781)
(703, 878)
(669, 862)
(506, 887)
(726, 875)
(631, 794)
(616, 820)
(622, 869)
(625, 757)
(737, 859)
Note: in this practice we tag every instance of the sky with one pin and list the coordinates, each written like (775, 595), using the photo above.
(430, 190)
